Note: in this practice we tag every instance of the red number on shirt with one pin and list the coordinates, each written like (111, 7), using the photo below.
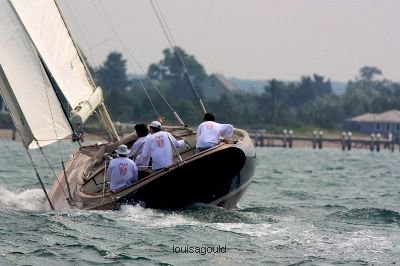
(160, 141)
(209, 125)
(123, 168)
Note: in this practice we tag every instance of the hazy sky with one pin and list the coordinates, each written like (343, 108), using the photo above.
(253, 39)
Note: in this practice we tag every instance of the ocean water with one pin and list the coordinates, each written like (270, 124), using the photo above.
(304, 207)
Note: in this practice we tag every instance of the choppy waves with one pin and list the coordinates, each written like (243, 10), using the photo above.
(367, 216)
(29, 199)
(305, 208)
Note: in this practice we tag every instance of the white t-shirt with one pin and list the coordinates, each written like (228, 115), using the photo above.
(209, 132)
(158, 147)
(122, 172)
(137, 148)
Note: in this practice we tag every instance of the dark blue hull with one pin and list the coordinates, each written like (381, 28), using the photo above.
(218, 177)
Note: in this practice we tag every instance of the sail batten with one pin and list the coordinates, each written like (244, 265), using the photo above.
(25, 86)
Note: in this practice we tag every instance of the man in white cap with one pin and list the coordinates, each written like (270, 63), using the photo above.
(122, 171)
(158, 146)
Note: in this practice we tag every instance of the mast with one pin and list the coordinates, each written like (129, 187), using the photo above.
(104, 115)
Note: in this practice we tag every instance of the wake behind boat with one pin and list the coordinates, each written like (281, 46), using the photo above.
(40, 59)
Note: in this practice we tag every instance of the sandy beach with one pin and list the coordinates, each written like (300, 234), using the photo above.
(6, 134)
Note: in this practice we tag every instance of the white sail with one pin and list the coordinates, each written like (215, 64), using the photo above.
(48, 32)
(25, 86)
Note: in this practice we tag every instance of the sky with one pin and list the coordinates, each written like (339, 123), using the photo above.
(248, 39)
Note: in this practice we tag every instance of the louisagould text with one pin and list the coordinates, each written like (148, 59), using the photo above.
(199, 250)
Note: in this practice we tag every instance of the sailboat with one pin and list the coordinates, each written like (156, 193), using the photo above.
(39, 60)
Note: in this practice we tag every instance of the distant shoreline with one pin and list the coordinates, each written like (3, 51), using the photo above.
(330, 142)
(7, 134)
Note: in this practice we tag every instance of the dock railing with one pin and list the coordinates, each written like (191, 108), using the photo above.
(317, 140)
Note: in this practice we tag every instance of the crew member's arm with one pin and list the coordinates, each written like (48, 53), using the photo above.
(178, 143)
(226, 131)
(146, 152)
(109, 171)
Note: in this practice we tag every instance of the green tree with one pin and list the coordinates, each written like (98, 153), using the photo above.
(329, 112)
(310, 88)
(369, 73)
(121, 105)
(112, 74)
(170, 67)
(273, 95)
(171, 73)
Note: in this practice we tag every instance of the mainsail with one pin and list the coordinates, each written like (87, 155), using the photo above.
(25, 87)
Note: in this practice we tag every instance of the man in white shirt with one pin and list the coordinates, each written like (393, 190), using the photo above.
(121, 171)
(209, 131)
(158, 146)
(142, 132)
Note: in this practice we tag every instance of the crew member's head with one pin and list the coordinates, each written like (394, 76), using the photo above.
(209, 117)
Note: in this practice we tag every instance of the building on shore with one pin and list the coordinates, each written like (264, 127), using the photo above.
(215, 86)
(383, 123)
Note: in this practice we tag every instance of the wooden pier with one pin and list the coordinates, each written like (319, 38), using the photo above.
(317, 140)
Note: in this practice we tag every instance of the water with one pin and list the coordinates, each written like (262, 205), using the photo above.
(305, 207)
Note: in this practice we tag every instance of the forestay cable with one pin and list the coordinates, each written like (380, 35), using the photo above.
(172, 44)
(142, 70)
(105, 17)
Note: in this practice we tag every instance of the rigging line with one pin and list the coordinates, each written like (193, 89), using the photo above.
(41, 65)
(44, 155)
(101, 42)
(80, 31)
(28, 153)
(109, 22)
(43, 68)
(171, 41)
(80, 56)
(103, 14)
(104, 115)
(58, 144)
(51, 168)
(99, 117)
(130, 55)
(50, 108)
(56, 134)
(180, 160)
(163, 23)
(54, 85)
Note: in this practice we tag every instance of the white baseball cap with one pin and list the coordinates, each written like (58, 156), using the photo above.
(155, 124)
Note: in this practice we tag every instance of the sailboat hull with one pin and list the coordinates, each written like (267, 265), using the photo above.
(203, 180)
(217, 176)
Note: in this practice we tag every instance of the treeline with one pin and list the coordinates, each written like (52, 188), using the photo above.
(309, 102)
